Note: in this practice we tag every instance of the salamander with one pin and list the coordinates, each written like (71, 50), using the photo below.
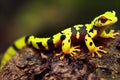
(66, 38)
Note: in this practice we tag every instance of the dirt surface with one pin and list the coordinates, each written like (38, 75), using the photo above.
(32, 64)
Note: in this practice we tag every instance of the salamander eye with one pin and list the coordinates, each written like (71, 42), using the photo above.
(103, 19)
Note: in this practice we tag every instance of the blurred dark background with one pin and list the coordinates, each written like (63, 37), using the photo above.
(47, 17)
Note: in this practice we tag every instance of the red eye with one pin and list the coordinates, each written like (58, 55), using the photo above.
(103, 19)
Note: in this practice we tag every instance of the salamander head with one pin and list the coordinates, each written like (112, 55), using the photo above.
(106, 19)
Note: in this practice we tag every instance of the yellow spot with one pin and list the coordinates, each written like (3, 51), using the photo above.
(56, 39)
(7, 56)
(78, 35)
(77, 27)
(20, 42)
(44, 43)
(67, 32)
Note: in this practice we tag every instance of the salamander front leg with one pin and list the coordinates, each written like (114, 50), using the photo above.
(92, 48)
(67, 48)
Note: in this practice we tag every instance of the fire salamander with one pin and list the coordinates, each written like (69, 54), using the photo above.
(67, 37)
